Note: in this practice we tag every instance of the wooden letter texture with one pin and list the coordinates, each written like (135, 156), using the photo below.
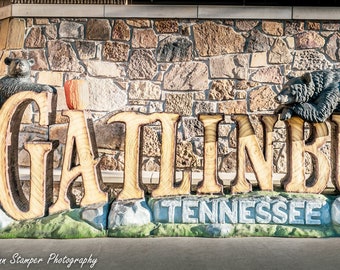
(80, 138)
(295, 180)
(210, 183)
(261, 163)
(335, 150)
(12, 198)
(132, 188)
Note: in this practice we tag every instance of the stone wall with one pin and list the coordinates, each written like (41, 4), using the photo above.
(183, 66)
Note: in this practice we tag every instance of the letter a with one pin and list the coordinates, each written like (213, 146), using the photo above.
(80, 137)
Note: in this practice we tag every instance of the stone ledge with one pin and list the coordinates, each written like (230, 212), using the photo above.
(170, 11)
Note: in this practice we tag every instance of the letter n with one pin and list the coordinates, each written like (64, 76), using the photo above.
(261, 163)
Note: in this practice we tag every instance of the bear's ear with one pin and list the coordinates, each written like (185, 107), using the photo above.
(306, 78)
(8, 61)
(31, 62)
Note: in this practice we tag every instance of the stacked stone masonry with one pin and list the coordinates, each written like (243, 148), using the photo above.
(179, 66)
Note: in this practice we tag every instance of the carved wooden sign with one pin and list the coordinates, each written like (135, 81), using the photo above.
(80, 138)
(171, 202)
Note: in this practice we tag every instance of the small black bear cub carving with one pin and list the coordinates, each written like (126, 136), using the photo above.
(18, 79)
(313, 96)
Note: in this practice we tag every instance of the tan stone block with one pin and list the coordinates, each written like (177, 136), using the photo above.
(166, 26)
(229, 66)
(121, 31)
(187, 76)
(144, 38)
(262, 99)
(41, 21)
(290, 42)
(16, 34)
(105, 69)
(179, 103)
(4, 24)
(258, 59)
(280, 53)
(313, 25)
(222, 90)
(58, 132)
(139, 23)
(268, 75)
(272, 28)
(309, 40)
(51, 78)
(145, 90)
(214, 39)
(233, 106)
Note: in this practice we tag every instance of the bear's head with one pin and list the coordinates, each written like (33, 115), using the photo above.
(296, 90)
(19, 67)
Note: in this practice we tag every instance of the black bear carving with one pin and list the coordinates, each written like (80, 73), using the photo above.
(313, 96)
(18, 79)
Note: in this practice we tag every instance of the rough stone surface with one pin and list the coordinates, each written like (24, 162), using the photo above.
(294, 27)
(186, 158)
(187, 76)
(139, 23)
(142, 65)
(71, 30)
(40, 61)
(258, 59)
(204, 107)
(229, 66)
(310, 60)
(268, 75)
(62, 57)
(213, 39)
(246, 25)
(222, 90)
(151, 142)
(309, 40)
(125, 213)
(121, 31)
(174, 49)
(105, 95)
(262, 99)
(272, 28)
(232, 107)
(258, 42)
(35, 38)
(144, 90)
(98, 29)
(105, 69)
(179, 103)
(192, 128)
(51, 31)
(115, 51)
(166, 26)
(280, 53)
(144, 38)
(332, 47)
(109, 136)
(86, 49)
